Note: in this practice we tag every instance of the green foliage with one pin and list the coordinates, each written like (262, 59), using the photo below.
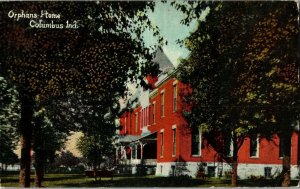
(47, 140)
(94, 116)
(95, 150)
(213, 68)
(9, 118)
(54, 65)
(98, 57)
(98, 147)
(243, 72)
(8, 157)
(237, 70)
(67, 159)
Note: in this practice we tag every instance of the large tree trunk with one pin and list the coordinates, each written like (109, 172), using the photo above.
(95, 171)
(286, 161)
(39, 153)
(39, 167)
(25, 140)
(234, 176)
(39, 176)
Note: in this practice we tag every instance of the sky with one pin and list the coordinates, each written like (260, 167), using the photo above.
(167, 18)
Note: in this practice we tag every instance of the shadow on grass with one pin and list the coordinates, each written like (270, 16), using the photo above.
(5, 180)
(6, 173)
(264, 183)
(79, 180)
(52, 177)
(139, 182)
(63, 177)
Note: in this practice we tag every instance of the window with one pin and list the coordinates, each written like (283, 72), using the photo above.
(281, 145)
(173, 170)
(196, 142)
(268, 171)
(162, 144)
(153, 113)
(174, 142)
(211, 171)
(162, 100)
(147, 115)
(174, 98)
(133, 152)
(125, 123)
(143, 117)
(146, 119)
(254, 144)
(228, 145)
(136, 121)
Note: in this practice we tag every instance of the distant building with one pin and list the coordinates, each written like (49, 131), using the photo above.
(154, 136)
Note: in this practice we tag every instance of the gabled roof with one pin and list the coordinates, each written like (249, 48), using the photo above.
(163, 61)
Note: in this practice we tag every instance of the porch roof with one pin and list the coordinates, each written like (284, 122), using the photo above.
(148, 137)
(128, 138)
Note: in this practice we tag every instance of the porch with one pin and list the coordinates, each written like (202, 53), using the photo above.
(137, 155)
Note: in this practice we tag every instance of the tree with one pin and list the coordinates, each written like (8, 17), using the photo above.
(95, 59)
(47, 140)
(8, 157)
(219, 72)
(9, 117)
(275, 48)
(212, 70)
(96, 145)
(67, 159)
(87, 114)
(96, 149)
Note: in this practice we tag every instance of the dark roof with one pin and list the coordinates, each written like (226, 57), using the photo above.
(163, 61)
(149, 136)
(128, 138)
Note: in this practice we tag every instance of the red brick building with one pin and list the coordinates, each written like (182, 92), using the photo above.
(154, 134)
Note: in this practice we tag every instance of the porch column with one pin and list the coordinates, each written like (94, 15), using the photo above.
(122, 153)
(130, 153)
(141, 144)
(117, 155)
(136, 150)
(142, 149)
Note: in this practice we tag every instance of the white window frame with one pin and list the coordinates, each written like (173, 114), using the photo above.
(162, 143)
(125, 123)
(175, 91)
(162, 103)
(257, 146)
(153, 113)
(174, 138)
(136, 121)
(200, 144)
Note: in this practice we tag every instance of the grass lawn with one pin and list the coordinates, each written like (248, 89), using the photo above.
(79, 180)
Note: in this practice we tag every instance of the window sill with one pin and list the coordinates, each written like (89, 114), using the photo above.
(254, 157)
(196, 155)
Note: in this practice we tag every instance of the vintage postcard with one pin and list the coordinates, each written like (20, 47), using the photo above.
(149, 93)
